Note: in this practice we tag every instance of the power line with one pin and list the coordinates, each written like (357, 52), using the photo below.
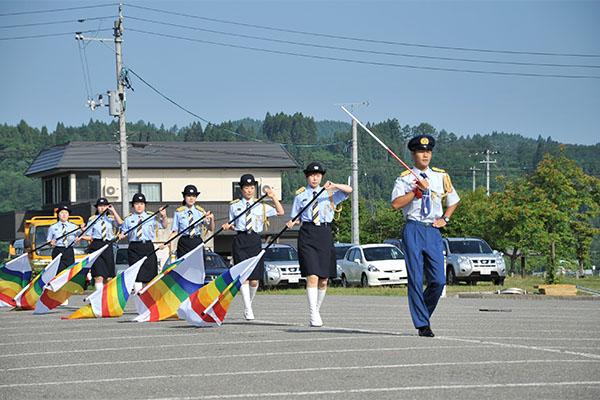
(53, 34)
(366, 40)
(56, 10)
(80, 20)
(430, 68)
(363, 50)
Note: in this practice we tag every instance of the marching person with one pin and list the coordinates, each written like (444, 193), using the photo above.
(247, 242)
(315, 241)
(140, 238)
(184, 216)
(101, 232)
(63, 245)
(421, 204)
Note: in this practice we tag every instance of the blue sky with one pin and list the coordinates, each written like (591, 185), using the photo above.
(42, 79)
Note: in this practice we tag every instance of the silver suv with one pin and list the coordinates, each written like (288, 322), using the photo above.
(472, 260)
(281, 266)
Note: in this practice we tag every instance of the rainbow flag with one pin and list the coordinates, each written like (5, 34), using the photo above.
(159, 299)
(14, 276)
(111, 300)
(66, 283)
(208, 305)
(27, 298)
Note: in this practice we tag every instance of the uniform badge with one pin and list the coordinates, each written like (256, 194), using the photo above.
(424, 140)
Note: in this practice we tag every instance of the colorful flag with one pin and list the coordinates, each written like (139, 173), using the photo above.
(27, 298)
(160, 298)
(111, 300)
(14, 276)
(208, 305)
(66, 283)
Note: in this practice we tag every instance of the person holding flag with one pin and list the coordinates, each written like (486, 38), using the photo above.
(61, 235)
(421, 204)
(315, 241)
(185, 216)
(101, 231)
(247, 242)
(140, 238)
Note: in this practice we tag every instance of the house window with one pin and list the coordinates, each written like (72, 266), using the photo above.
(237, 191)
(87, 186)
(152, 191)
(56, 189)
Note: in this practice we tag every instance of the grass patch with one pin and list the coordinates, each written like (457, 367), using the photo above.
(527, 283)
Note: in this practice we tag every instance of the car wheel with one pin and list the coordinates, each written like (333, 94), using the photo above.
(344, 281)
(499, 282)
(472, 283)
(364, 281)
(450, 277)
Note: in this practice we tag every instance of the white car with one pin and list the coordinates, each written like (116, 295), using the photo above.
(374, 265)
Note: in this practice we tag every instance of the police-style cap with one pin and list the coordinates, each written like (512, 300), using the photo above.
(421, 142)
(138, 198)
(314, 167)
(190, 190)
(247, 179)
(102, 201)
(63, 207)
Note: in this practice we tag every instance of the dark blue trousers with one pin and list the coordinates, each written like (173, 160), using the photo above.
(423, 249)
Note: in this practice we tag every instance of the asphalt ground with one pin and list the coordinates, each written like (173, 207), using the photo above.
(367, 348)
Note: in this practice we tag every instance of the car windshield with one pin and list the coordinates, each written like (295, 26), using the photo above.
(340, 252)
(382, 253)
(122, 257)
(214, 261)
(281, 254)
(469, 247)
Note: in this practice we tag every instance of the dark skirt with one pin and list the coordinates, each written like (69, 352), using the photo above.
(315, 251)
(149, 269)
(68, 257)
(185, 244)
(246, 245)
(104, 265)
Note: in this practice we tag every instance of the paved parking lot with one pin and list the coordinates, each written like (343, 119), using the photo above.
(367, 349)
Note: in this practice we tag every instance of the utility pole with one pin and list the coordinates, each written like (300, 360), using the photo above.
(487, 163)
(474, 172)
(355, 222)
(116, 106)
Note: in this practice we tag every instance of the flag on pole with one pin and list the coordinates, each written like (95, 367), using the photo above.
(66, 283)
(208, 305)
(111, 300)
(27, 298)
(14, 276)
(159, 299)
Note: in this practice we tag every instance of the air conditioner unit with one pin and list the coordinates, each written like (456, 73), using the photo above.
(111, 191)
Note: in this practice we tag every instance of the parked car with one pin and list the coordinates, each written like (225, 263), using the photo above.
(374, 265)
(281, 266)
(472, 260)
(214, 265)
(395, 242)
(121, 261)
(340, 252)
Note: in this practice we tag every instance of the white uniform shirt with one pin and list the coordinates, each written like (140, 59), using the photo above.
(259, 213)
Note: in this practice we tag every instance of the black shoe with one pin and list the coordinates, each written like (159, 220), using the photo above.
(426, 331)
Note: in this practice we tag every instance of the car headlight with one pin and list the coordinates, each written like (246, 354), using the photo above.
(272, 267)
(465, 260)
(339, 268)
(500, 261)
(372, 268)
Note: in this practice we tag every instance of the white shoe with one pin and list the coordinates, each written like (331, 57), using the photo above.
(315, 319)
(248, 314)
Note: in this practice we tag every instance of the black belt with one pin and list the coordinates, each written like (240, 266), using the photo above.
(141, 241)
(427, 224)
(246, 232)
(321, 224)
(101, 240)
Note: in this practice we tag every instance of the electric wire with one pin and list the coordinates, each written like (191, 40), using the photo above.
(347, 60)
(408, 55)
(80, 20)
(44, 35)
(56, 10)
(534, 53)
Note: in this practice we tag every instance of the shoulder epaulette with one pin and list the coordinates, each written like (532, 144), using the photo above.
(127, 215)
(200, 208)
(438, 170)
(302, 189)
(180, 209)
(111, 216)
(91, 217)
(402, 175)
(234, 201)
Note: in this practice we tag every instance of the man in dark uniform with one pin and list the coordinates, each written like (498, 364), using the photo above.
(315, 241)
(421, 204)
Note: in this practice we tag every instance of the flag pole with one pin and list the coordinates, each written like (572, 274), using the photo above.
(87, 227)
(381, 143)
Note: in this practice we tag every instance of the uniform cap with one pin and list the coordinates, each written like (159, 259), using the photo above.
(190, 190)
(421, 142)
(63, 207)
(102, 201)
(314, 167)
(247, 179)
(138, 198)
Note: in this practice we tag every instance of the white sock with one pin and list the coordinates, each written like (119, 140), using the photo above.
(312, 295)
(320, 298)
(253, 290)
(137, 287)
(245, 290)
(99, 285)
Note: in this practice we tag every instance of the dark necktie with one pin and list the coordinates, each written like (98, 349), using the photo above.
(64, 232)
(190, 222)
(138, 233)
(315, 210)
(426, 200)
(248, 218)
